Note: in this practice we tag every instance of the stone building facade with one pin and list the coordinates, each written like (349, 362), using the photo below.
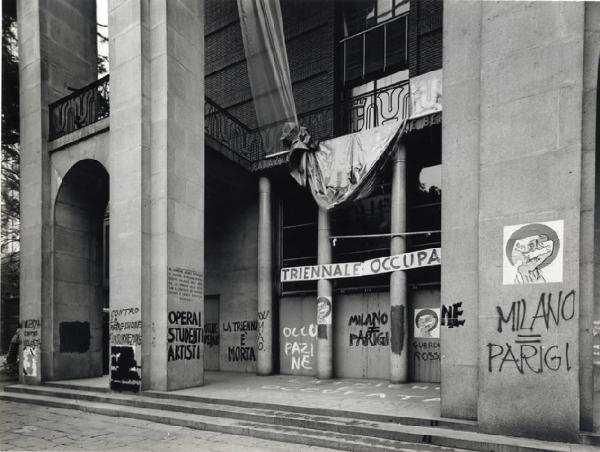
(155, 226)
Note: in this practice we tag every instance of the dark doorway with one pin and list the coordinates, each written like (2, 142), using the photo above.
(80, 295)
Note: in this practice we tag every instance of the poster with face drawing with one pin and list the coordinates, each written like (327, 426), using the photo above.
(427, 323)
(533, 253)
(324, 311)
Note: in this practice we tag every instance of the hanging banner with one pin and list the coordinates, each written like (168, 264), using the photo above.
(406, 261)
(268, 69)
(344, 169)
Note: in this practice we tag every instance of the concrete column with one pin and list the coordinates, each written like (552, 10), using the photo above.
(57, 48)
(177, 190)
(460, 209)
(545, 174)
(324, 303)
(129, 182)
(264, 363)
(157, 184)
(399, 353)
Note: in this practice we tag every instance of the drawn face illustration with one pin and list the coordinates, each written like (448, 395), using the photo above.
(426, 321)
(323, 309)
(426, 324)
(531, 248)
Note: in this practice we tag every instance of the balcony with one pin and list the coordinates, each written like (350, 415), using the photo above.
(377, 107)
(79, 109)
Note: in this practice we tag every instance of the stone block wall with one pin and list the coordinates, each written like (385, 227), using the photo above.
(231, 260)
(513, 155)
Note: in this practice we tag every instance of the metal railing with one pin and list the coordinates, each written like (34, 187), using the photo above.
(81, 108)
(229, 131)
(377, 107)
(91, 104)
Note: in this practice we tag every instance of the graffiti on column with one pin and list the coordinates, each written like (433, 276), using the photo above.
(125, 326)
(184, 335)
(426, 351)
(262, 317)
(242, 352)
(323, 316)
(529, 351)
(299, 346)
(211, 334)
(427, 323)
(533, 253)
(451, 315)
(397, 318)
(124, 368)
(125, 342)
(31, 338)
(369, 331)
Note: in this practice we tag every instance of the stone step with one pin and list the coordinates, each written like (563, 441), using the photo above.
(298, 435)
(456, 424)
(345, 423)
(338, 432)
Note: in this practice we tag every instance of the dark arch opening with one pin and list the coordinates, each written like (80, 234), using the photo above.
(80, 293)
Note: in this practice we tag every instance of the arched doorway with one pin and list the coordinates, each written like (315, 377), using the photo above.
(80, 290)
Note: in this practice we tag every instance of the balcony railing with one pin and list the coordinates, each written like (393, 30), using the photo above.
(229, 131)
(377, 107)
(79, 109)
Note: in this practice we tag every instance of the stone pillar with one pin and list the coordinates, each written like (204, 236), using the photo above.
(324, 302)
(57, 50)
(527, 179)
(460, 206)
(264, 363)
(129, 143)
(157, 184)
(589, 314)
(398, 308)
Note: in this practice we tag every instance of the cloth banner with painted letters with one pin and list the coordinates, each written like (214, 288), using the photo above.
(406, 261)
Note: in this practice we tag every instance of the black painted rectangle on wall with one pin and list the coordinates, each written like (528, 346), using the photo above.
(124, 369)
(74, 337)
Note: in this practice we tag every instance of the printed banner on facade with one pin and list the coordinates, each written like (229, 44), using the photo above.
(406, 261)
(426, 93)
(427, 323)
(533, 253)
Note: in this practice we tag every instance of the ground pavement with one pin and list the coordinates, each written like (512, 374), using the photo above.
(32, 427)
(356, 395)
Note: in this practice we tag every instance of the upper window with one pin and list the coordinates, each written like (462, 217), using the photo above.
(375, 37)
(298, 236)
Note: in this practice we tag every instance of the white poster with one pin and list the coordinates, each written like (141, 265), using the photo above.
(324, 311)
(30, 361)
(426, 93)
(533, 253)
(427, 323)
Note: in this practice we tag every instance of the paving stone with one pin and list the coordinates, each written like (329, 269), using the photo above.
(72, 430)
